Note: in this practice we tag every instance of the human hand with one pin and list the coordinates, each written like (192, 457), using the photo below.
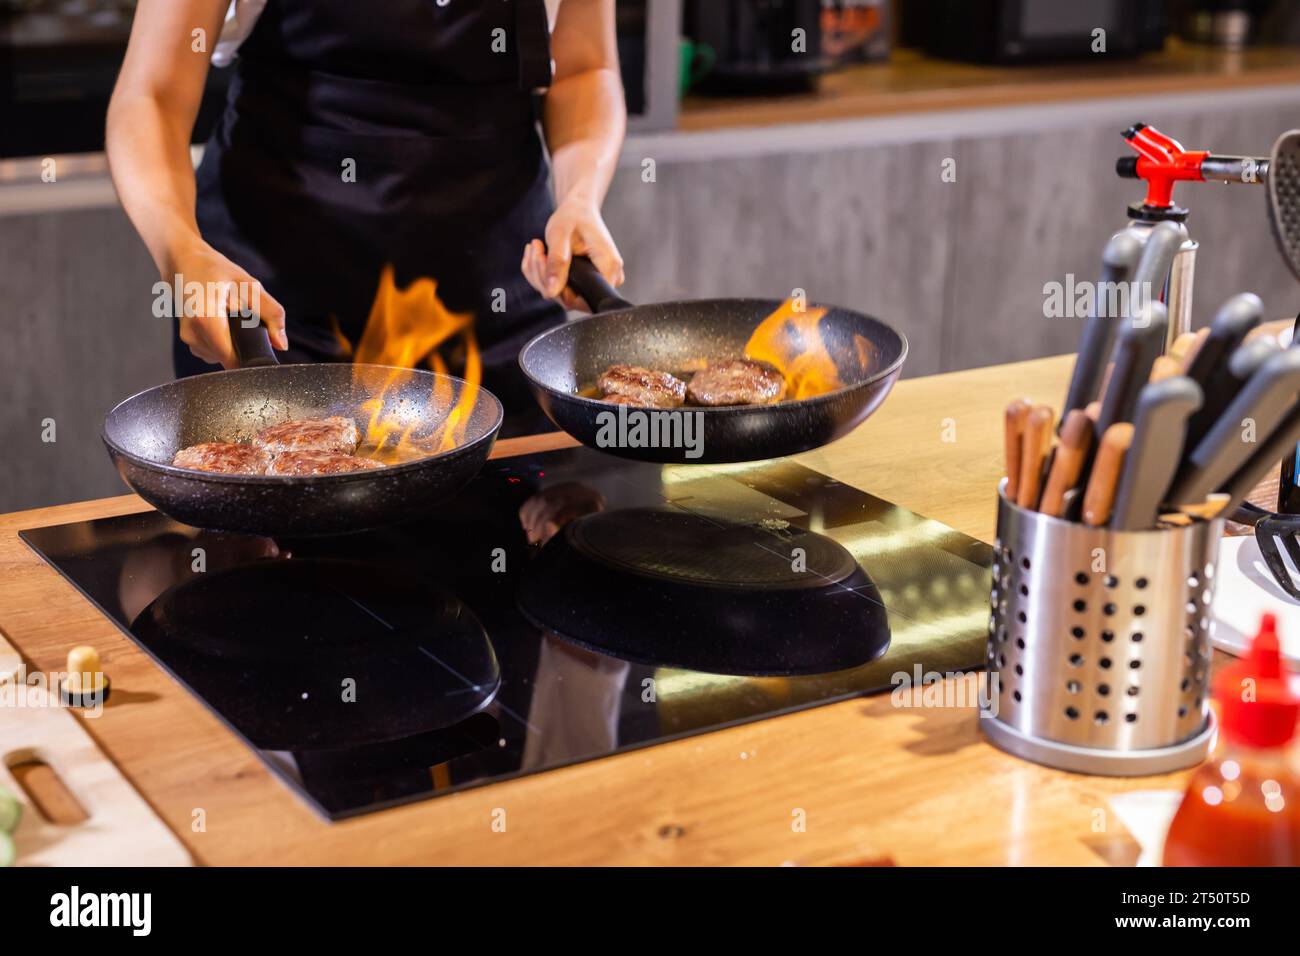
(227, 290)
(575, 228)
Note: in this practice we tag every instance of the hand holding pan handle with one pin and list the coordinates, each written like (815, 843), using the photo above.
(586, 280)
(252, 343)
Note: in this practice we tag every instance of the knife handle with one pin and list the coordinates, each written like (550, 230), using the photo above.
(1017, 413)
(1159, 425)
(1067, 463)
(1263, 402)
(1185, 347)
(1166, 366)
(1140, 343)
(1099, 498)
(1278, 445)
(1033, 455)
(1118, 260)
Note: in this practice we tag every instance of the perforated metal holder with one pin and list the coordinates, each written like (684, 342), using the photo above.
(1099, 652)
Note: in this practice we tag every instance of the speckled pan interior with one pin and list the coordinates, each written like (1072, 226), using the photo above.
(675, 336)
(144, 432)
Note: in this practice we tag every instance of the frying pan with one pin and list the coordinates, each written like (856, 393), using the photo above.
(144, 433)
(673, 336)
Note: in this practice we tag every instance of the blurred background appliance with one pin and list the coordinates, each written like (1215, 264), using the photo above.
(856, 31)
(759, 46)
(58, 62)
(1009, 31)
(1230, 24)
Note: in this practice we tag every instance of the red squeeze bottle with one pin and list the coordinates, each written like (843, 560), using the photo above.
(1242, 807)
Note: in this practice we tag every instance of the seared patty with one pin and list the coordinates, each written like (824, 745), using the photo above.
(318, 463)
(736, 382)
(643, 386)
(336, 434)
(225, 457)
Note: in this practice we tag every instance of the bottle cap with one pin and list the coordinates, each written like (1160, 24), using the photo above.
(1258, 706)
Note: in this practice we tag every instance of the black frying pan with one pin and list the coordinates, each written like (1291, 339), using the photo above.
(144, 433)
(672, 336)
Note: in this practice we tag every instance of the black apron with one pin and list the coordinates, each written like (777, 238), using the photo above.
(431, 104)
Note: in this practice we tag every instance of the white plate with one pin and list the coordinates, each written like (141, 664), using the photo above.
(1243, 590)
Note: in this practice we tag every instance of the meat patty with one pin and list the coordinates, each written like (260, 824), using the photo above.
(336, 434)
(313, 462)
(227, 458)
(620, 400)
(736, 382)
(644, 386)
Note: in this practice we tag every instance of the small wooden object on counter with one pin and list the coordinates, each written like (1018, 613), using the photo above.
(1100, 495)
(1067, 463)
(120, 829)
(1037, 442)
(1017, 414)
(86, 684)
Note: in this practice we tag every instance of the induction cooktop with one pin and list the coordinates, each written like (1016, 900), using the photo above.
(565, 606)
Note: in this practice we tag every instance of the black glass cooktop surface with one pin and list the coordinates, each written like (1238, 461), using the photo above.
(565, 606)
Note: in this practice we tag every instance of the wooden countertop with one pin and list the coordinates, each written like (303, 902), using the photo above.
(918, 786)
(912, 82)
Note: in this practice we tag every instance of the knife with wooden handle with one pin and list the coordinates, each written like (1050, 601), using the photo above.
(1158, 428)
(1017, 413)
(1033, 455)
(1185, 347)
(1166, 366)
(1253, 415)
(1118, 261)
(1099, 498)
(1067, 463)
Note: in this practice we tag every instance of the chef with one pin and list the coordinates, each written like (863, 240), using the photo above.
(357, 136)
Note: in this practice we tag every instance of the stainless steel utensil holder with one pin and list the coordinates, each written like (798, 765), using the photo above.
(1099, 644)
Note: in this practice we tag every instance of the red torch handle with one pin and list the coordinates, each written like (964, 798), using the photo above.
(1162, 161)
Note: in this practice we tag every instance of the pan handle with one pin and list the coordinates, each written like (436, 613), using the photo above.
(252, 344)
(586, 280)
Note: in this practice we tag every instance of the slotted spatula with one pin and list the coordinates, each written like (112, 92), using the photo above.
(1283, 182)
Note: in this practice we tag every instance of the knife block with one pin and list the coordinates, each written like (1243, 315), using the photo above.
(1099, 644)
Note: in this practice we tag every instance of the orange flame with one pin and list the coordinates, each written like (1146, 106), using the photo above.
(790, 340)
(404, 329)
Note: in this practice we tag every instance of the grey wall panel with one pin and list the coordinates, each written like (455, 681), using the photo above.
(1031, 210)
(76, 293)
(1035, 207)
(853, 227)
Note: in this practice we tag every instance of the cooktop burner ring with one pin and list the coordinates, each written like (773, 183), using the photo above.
(325, 653)
(682, 547)
(808, 620)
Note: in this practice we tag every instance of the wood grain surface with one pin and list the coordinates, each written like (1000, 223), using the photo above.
(918, 786)
(912, 82)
